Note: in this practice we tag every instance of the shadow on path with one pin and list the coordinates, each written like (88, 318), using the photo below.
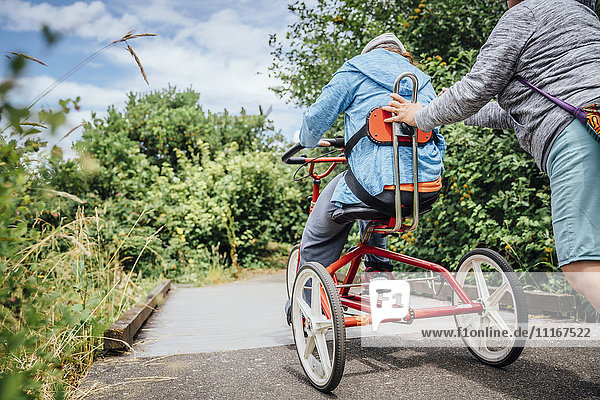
(371, 372)
(539, 374)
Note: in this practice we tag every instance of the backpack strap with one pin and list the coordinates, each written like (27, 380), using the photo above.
(362, 132)
(365, 197)
(577, 112)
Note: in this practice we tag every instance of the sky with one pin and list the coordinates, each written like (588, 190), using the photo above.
(218, 48)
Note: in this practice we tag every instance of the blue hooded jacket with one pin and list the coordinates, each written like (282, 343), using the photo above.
(360, 85)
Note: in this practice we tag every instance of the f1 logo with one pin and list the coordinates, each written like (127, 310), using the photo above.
(389, 300)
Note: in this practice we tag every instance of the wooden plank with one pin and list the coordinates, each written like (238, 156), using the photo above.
(119, 336)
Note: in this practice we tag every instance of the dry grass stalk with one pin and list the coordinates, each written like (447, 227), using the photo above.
(157, 359)
(36, 124)
(29, 250)
(128, 281)
(72, 130)
(128, 36)
(76, 243)
(65, 195)
(137, 60)
(28, 58)
(128, 234)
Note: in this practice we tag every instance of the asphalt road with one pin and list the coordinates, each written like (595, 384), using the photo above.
(204, 344)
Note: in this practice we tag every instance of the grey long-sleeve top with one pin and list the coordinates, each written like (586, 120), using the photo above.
(554, 44)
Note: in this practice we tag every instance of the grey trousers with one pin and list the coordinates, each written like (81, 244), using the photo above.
(323, 239)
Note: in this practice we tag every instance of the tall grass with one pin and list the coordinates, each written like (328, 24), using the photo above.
(62, 282)
(66, 288)
(66, 276)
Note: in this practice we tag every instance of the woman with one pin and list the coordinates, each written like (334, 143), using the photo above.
(554, 44)
(360, 85)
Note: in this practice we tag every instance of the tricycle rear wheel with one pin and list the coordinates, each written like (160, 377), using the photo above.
(292, 268)
(504, 309)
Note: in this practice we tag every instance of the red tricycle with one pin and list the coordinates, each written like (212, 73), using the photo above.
(323, 304)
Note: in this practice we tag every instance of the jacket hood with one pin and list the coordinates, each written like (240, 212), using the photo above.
(382, 67)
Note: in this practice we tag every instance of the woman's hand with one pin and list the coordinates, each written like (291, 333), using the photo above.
(403, 109)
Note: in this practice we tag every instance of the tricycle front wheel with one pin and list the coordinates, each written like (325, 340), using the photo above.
(318, 326)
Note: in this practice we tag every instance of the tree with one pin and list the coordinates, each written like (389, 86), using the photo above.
(164, 121)
(327, 34)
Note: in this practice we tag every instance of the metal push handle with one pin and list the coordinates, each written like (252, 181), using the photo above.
(397, 129)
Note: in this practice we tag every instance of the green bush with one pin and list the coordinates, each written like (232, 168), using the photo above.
(203, 181)
(493, 196)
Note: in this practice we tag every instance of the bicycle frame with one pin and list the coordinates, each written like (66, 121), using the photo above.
(354, 257)
(317, 177)
(361, 303)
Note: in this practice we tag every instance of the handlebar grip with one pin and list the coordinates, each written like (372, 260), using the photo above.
(287, 156)
(293, 150)
(336, 142)
(295, 160)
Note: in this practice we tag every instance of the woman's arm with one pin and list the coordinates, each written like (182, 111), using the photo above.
(491, 116)
(493, 70)
(335, 97)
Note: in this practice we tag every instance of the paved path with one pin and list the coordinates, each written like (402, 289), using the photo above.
(238, 315)
(203, 343)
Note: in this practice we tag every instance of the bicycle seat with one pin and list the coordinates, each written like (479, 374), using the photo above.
(351, 213)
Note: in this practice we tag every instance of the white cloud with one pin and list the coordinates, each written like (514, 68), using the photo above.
(160, 11)
(92, 97)
(225, 35)
(87, 20)
(223, 58)
(220, 50)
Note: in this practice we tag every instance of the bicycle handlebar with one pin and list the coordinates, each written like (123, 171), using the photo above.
(287, 156)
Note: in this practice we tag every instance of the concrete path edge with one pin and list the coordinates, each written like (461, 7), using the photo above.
(119, 336)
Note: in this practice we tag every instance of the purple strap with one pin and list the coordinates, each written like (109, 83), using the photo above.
(578, 112)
